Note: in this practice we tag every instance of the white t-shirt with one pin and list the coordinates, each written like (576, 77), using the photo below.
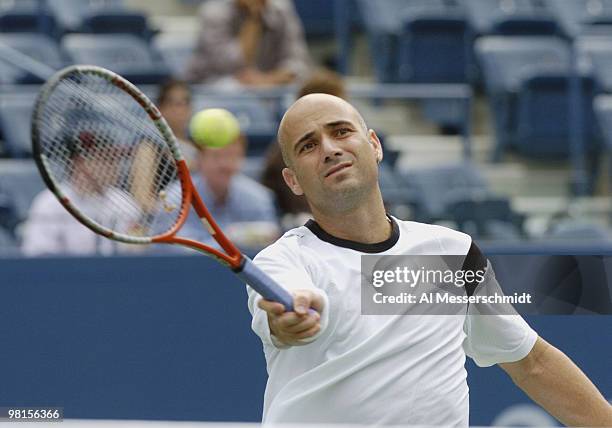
(375, 369)
(51, 230)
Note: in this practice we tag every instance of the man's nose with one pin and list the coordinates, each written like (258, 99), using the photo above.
(330, 148)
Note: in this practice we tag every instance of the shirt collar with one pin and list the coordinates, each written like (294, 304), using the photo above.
(378, 247)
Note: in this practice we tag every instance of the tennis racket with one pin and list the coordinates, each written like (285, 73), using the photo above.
(105, 151)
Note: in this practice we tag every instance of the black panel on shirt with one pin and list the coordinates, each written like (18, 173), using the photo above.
(474, 260)
(378, 247)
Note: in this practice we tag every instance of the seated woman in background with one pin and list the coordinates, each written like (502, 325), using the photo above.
(174, 103)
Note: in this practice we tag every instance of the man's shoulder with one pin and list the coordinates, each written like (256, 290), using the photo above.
(450, 240)
(290, 243)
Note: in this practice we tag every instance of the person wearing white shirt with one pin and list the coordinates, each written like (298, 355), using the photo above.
(332, 364)
(51, 230)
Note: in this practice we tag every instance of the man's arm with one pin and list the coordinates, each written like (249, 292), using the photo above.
(553, 381)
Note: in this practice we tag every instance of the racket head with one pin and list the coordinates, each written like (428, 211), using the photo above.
(105, 151)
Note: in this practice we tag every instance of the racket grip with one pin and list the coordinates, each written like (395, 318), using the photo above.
(263, 284)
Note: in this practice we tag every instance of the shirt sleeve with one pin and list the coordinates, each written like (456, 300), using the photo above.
(283, 264)
(218, 52)
(496, 333)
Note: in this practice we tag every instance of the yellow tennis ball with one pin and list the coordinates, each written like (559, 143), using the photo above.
(214, 127)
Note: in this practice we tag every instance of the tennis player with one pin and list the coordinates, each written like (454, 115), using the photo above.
(334, 365)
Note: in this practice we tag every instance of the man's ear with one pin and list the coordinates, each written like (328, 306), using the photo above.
(292, 182)
(376, 145)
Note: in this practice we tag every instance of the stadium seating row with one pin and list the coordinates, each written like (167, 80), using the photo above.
(431, 40)
(258, 116)
(457, 193)
(125, 54)
(58, 17)
(450, 192)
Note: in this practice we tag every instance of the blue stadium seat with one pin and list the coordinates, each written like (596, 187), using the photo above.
(490, 218)
(435, 47)
(512, 64)
(124, 54)
(386, 20)
(504, 60)
(396, 195)
(511, 17)
(257, 118)
(176, 50)
(39, 47)
(72, 14)
(459, 193)
(382, 21)
(15, 113)
(29, 16)
(578, 17)
(543, 122)
(316, 16)
(117, 21)
(435, 189)
(21, 181)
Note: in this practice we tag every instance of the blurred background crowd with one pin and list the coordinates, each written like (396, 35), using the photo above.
(495, 115)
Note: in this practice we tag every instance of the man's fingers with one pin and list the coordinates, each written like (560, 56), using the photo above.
(317, 303)
(289, 319)
(273, 308)
(305, 324)
(308, 333)
(301, 302)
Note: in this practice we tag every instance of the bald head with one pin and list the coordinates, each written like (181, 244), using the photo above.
(308, 109)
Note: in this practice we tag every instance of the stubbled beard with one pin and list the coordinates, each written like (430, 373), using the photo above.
(342, 200)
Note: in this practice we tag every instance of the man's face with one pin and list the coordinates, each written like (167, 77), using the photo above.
(218, 166)
(333, 159)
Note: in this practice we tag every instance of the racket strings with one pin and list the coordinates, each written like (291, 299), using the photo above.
(106, 155)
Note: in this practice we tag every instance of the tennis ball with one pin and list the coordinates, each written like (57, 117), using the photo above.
(214, 127)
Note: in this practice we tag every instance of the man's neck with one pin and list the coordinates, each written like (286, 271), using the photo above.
(367, 224)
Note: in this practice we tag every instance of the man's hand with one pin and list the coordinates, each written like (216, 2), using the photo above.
(291, 328)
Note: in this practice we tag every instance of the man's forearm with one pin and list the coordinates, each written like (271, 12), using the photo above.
(553, 381)
(250, 35)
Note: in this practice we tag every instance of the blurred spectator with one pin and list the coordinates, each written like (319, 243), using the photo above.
(251, 42)
(174, 103)
(50, 229)
(243, 208)
(323, 81)
(294, 210)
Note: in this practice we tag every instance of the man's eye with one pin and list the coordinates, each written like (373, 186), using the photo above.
(342, 131)
(306, 147)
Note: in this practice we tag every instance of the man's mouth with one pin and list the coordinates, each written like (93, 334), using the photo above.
(337, 168)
